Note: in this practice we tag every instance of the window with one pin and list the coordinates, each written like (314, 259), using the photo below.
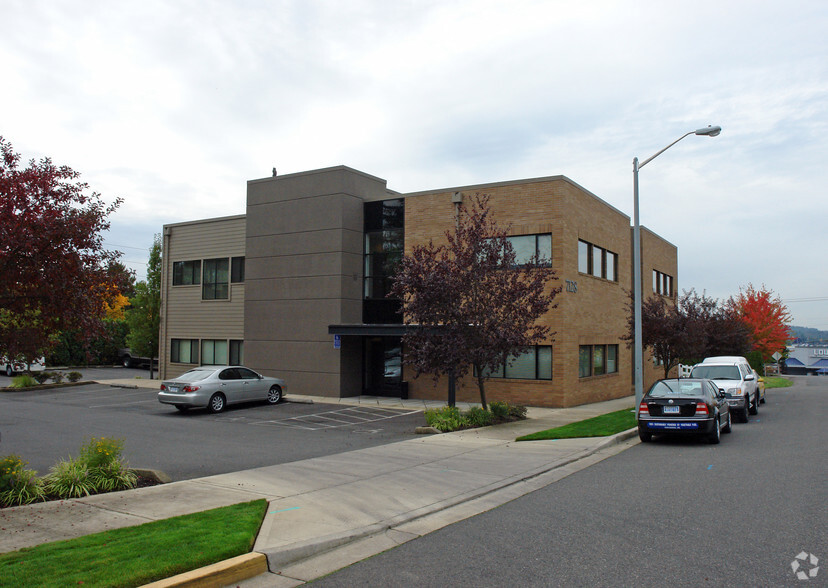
(535, 363)
(662, 283)
(237, 352)
(186, 273)
(237, 270)
(214, 352)
(184, 350)
(216, 279)
(597, 261)
(597, 360)
(532, 247)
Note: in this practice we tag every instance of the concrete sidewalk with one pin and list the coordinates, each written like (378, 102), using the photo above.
(325, 513)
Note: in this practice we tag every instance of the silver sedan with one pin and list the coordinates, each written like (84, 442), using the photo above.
(214, 387)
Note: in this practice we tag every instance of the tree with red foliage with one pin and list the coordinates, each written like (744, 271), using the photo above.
(55, 271)
(471, 305)
(685, 331)
(765, 317)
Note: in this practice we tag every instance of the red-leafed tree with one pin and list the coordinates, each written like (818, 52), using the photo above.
(766, 318)
(470, 302)
(55, 271)
(688, 329)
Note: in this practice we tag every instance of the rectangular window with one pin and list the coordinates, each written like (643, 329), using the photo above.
(597, 360)
(216, 280)
(612, 262)
(237, 270)
(662, 283)
(214, 352)
(583, 257)
(528, 248)
(612, 359)
(584, 361)
(184, 350)
(535, 363)
(598, 368)
(186, 273)
(597, 261)
(236, 352)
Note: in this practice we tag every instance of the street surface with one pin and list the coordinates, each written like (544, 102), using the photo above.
(48, 425)
(672, 512)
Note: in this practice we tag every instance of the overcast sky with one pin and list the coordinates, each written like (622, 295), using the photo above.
(174, 105)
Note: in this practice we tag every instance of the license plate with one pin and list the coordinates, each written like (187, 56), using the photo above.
(173, 388)
(672, 409)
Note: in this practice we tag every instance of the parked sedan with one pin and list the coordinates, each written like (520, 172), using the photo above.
(214, 387)
(685, 407)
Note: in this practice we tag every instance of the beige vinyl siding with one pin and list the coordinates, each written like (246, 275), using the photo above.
(185, 315)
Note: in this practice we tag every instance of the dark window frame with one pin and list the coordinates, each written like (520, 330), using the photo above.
(237, 270)
(187, 273)
(590, 268)
(211, 287)
(603, 370)
(175, 350)
(503, 372)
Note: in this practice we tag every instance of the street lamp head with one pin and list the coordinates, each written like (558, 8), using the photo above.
(709, 131)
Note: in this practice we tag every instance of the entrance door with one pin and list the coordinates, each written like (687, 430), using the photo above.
(383, 366)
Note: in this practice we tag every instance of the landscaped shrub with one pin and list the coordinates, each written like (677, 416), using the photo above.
(23, 381)
(446, 418)
(478, 417)
(98, 468)
(69, 479)
(17, 484)
(42, 377)
(74, 376)
(500, 410)
(449, 418)
(57, 377)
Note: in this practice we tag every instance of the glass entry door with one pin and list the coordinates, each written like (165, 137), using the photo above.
(383, 366)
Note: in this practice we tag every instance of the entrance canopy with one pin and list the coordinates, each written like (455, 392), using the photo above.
(368, 330)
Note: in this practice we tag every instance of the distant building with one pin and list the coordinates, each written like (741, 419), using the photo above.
(806, 360)
(297, 286)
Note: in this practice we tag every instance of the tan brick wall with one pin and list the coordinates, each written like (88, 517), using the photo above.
(595, 314)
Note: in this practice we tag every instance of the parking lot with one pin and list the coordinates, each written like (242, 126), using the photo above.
(44, 426)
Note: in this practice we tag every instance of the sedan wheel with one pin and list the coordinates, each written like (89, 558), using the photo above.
(9, 370)
(274, 395)
(727, 427)
(715, 434)
(217, 403)
(645, 436)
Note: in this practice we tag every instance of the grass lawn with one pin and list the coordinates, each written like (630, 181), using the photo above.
(134, 556)
(777, 382)
(600, 426)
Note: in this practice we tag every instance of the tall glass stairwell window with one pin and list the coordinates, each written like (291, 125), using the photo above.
(384, 239)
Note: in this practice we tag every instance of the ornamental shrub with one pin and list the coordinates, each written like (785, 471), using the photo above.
(42, 377)
(500, 410)
(74, 376)
(69, 479)
(478, 417)
(23, 381)
(17, 484)
(57, 377)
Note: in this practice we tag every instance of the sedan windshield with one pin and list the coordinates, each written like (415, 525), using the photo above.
(716, 372)
(676, 388)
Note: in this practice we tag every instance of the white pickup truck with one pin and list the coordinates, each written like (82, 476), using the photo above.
(16, 366)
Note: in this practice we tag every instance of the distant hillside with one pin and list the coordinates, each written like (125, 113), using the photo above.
(807, 334)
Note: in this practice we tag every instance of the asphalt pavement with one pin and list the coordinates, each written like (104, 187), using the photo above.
(328, 512)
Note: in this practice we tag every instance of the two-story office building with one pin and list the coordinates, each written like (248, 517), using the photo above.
(296, 287)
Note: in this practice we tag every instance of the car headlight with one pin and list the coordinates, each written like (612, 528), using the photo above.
(735, 391)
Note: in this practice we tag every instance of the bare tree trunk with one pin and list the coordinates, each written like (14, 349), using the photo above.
(481, 386)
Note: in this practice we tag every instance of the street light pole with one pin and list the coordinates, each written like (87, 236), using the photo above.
(638, 367)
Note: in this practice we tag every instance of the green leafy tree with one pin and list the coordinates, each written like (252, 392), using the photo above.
(144, 316)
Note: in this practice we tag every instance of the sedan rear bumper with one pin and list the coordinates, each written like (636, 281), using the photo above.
(658, 426)
(192, 399)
